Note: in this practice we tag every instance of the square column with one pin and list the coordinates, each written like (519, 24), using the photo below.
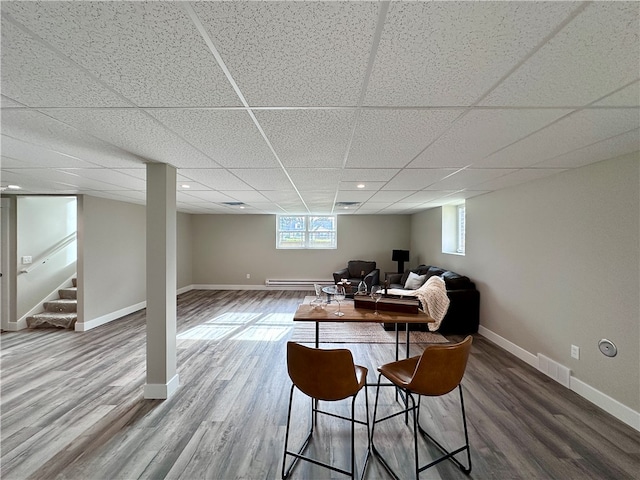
(162, 379)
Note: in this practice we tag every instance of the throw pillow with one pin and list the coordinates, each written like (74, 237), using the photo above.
(414, 281)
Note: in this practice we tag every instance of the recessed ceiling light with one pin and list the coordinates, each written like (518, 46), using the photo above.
(14, 187)
(360, 185)
(185, 186)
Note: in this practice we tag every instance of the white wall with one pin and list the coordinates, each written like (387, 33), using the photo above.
(227, 247)
(43, 222)
(557, 263)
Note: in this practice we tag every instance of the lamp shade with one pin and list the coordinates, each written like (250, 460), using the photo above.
(400, 255)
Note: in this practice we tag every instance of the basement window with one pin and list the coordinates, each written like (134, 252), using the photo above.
(306, 232)
(454, 229)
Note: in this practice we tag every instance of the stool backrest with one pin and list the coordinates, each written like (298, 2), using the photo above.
(440, 368)
(322, 374)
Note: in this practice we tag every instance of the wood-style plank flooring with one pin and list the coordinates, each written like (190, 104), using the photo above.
(72, 406)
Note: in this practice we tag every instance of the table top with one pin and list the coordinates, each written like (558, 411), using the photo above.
(307, 313)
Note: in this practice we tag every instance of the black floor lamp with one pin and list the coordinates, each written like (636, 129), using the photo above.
(400, 256)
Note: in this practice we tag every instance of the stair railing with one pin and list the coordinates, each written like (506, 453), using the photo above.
(54, 249)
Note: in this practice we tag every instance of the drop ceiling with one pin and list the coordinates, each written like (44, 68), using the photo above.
(292, 107)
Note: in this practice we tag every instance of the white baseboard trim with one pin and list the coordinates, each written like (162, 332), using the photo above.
(110, 317)
(605, 402)
(161, 391)
(244, 287)
(598, 398)
(521, 353)
(15, 326)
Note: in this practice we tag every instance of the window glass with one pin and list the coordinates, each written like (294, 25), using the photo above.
(301, 231)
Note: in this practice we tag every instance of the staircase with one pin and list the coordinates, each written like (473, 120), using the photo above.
(60, 313)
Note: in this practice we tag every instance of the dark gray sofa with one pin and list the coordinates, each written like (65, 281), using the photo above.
(463, 316)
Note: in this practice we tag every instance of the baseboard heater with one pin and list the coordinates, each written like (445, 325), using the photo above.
(302, 284)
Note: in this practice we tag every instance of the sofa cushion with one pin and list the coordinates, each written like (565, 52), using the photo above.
(414, 281)
(356, 267)
(434, 272)
(456, 281)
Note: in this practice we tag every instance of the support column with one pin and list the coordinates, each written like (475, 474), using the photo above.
(162, 379)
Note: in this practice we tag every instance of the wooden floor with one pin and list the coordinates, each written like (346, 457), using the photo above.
(72, 406)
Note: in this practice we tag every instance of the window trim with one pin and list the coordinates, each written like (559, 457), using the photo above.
(451, 229)
(308, 234)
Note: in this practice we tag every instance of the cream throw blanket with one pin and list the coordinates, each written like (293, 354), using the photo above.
(433, 296)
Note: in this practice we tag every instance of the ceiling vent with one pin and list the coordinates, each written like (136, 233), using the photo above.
(347, 204)
(234, 204)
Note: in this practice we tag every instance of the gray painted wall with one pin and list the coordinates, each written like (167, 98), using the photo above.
(228, 247)
(557, 263)
(112, 262)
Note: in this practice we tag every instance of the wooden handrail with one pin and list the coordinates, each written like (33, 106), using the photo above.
(44, 258)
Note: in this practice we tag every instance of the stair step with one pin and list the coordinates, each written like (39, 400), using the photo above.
(68, 293)
(48, 320)
(63, 305)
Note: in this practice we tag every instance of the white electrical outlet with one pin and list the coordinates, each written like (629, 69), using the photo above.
(248, 275)
(27, 260)
(575, 352)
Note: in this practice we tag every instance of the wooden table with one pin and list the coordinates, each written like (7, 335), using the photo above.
(307, 313)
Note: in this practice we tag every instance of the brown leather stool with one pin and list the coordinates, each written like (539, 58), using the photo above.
(438, 371)
(328, 375)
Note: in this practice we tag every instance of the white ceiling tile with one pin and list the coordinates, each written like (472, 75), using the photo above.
(469, 178)
(150, 52)
(315, 178)
(458, 197)
(69, 179)
(6, 102)
(229, 137)
(417, 179)
(29, 155)
(450, 53)
(113, 177)
(308, 138)
(246, 196)
(389, 196)
(303, 66)
(217, 179)
(203, 195)
(392, 138)
(575, 131)
(38, 129)
(136, 132)
(126, 196)
(516, 178)
(481, 132)
(293, 53)
(368, 174)
(264, 178)
(626, 97)
(27, 182)
(610, 148)
(187, 186)
(427, 196)
(280, 196)
(596, 52)
(368, 186)
(38, 77)
(353, 196)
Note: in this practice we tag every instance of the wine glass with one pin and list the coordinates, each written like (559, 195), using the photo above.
(376, 294)
(339, 296)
